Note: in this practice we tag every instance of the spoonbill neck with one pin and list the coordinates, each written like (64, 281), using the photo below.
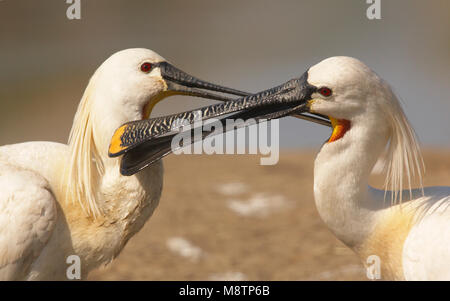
(341, 175)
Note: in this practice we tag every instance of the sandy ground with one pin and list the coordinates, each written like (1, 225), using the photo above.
(228, 218)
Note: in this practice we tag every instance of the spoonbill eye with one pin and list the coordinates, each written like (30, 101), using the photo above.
(146, 67)
(325, 91)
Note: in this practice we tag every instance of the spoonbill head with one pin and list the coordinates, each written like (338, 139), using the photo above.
(124, 88)
(131, 82)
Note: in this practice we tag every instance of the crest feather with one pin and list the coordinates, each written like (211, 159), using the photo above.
(404, 161)
(85, 164)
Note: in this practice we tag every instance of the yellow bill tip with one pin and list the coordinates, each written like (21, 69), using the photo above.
(116, 141)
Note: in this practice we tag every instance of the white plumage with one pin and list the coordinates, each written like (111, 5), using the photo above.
(28, 216)
(426, 251)
(59, 200)
(41, 227)
(406, 229)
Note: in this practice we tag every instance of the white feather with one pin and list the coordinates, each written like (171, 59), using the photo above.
(407, 234)
(61, 200)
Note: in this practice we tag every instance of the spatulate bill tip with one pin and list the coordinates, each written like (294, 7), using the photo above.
(116, 147)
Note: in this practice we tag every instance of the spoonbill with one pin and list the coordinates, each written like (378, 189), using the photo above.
(61, 200)
(406, 231)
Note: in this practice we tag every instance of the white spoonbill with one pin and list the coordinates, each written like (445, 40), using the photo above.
(59, 200)
(407, 229)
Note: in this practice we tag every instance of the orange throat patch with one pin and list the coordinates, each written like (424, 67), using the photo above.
(340, 127)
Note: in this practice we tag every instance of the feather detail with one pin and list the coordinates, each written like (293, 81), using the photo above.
(85, 166)
(404, 161)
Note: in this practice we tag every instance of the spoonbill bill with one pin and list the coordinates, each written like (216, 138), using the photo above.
(406, 231)
(61, 200)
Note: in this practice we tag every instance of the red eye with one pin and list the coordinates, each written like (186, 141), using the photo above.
(325, 91)
(146, 67)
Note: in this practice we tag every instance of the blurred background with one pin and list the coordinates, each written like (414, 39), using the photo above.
(207, 226)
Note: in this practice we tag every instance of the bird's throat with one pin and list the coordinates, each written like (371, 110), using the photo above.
(340, 127)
